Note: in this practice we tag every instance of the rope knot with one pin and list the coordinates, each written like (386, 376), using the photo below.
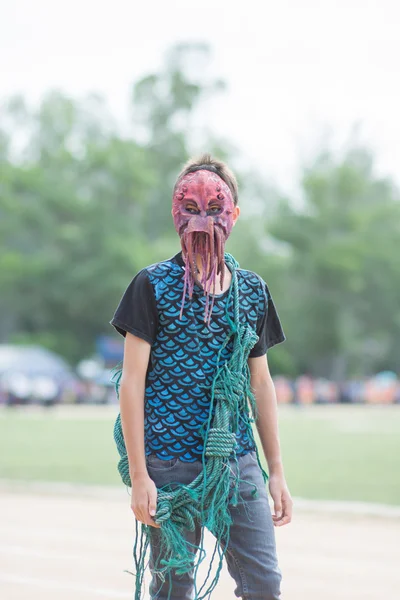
(220, 442)
(164, 509)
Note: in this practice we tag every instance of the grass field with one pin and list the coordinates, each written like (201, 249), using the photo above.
(329, 452)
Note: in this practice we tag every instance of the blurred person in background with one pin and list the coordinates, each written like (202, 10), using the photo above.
(193, 324)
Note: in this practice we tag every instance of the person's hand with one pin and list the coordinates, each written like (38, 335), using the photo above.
(283, 503)
(144, 498)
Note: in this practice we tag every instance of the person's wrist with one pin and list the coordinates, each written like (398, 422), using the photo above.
(139, 474)
(275, 467)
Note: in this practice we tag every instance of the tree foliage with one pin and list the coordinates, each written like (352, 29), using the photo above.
(343, 276)
(84, 206)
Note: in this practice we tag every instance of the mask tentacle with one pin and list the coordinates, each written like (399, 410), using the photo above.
(220, 255)
(191, 255)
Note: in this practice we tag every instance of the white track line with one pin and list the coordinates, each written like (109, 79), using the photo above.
(58, 488)
(59, 585)
(119, 493)
(361, 509)
(41, 533)
(53, 555)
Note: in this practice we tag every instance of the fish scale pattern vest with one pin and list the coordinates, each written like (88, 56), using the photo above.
(184, 361)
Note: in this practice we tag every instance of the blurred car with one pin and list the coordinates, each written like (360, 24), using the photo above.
(33, 374)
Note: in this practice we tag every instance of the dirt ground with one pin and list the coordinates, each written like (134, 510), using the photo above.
(76, 545)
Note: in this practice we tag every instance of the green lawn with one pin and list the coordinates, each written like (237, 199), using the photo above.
(338, 452)
(342, 452)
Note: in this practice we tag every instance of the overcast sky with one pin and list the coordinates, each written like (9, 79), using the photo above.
(295, 68)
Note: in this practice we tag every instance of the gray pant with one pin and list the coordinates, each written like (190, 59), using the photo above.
(251, 553)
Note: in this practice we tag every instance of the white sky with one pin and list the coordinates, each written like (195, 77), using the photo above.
(296, 69)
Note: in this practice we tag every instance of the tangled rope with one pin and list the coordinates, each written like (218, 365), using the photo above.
(206, 498)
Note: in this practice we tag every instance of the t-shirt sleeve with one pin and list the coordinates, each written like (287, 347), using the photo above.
(269, 328)
(137, 309)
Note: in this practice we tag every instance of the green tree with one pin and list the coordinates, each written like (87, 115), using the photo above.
(343, 279)
(84, 207)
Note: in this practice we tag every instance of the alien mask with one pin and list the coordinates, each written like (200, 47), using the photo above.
(202, 210)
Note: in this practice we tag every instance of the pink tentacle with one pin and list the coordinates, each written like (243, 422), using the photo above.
(208, 246)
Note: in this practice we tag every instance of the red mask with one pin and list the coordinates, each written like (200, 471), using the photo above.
(202, 209)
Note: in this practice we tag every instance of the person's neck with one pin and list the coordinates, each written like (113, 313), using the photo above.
(227, 276)
(199, 265)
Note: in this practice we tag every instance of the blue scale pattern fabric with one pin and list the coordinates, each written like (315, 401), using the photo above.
(183, 356)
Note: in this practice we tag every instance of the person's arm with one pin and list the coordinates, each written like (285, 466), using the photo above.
(131, 396)
(267, 427)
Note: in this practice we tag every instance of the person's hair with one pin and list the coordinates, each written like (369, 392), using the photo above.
(206, 161)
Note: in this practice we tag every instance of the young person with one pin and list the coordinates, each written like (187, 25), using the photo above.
(197, 328)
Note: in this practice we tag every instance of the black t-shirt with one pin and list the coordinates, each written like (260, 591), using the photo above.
(183, 355)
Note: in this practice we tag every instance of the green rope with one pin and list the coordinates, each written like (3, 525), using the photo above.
(206, 498)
